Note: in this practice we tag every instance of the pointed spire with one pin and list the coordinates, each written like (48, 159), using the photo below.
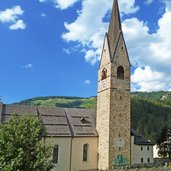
(114, 28)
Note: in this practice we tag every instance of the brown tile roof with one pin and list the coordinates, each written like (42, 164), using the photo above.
(18, 109)
(58, 121)
(82, 121)
(55, 121)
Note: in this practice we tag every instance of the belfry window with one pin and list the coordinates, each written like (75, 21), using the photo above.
(55, 154)
(85, 152)
(120, 72)
(104, 74)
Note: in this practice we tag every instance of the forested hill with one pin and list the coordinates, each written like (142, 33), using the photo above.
(161, 96)
(150, 111)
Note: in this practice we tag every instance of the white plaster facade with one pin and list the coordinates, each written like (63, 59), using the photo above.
(71, 153)
(141, 154)
(70, 156)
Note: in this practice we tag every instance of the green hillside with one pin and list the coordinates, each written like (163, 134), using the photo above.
(150, 111)
(161, 96)
(60, 101)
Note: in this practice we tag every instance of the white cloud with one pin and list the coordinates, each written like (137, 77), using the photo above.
(88, 29)
(11, 16)
(149, 49)
(128, 7)
(144, 79)
(148, 1)
(145, 48)
(168, 5)
(64, 4)
(67, 51)
(88, 82)
(28, 66)
(43, 14)
(61, 4)
(18, 25)
(92, 56)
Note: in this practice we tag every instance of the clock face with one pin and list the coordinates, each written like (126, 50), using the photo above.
(103, 84)
(119, 142)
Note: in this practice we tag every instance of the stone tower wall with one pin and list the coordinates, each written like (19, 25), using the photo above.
(103, 130)
(113, 101)
(120, 107)
(113, 109)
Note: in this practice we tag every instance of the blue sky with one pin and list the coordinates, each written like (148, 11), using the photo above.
(52, 47)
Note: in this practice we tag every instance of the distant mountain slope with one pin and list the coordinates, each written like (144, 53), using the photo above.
(150, 111)
(160, 96)
(61, 101)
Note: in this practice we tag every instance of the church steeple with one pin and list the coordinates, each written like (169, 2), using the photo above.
(113, 99)
(115, 28)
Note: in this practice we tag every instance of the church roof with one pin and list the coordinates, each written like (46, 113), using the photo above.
(63, 122)
(58, 121)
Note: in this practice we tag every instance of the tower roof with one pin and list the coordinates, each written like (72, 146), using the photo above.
(114, 28)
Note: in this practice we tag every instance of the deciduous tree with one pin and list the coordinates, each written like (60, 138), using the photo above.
(164, 143)
(21, 145)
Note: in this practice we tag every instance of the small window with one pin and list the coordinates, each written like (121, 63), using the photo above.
(148, 148)
(83, 120)
(120, 72)
(104, 74)
(85, 152)
(148, 160)
(141, 148)
(55, 154)
(142, 160)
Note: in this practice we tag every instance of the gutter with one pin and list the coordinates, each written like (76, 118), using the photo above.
(72, 137)
(70, 164)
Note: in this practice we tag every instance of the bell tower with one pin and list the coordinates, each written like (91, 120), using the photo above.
(113, 99)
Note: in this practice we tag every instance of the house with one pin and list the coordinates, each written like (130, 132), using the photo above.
(87, 139)
(141, 149)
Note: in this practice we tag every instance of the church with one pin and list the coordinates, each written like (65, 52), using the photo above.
(101, 139)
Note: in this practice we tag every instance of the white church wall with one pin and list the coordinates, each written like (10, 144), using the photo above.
(64, 152)
(71, 153)
(77, 153)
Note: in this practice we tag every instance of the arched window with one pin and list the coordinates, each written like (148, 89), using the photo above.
(104, 74)
(85, 152)
(55, 154)
(120, 72)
